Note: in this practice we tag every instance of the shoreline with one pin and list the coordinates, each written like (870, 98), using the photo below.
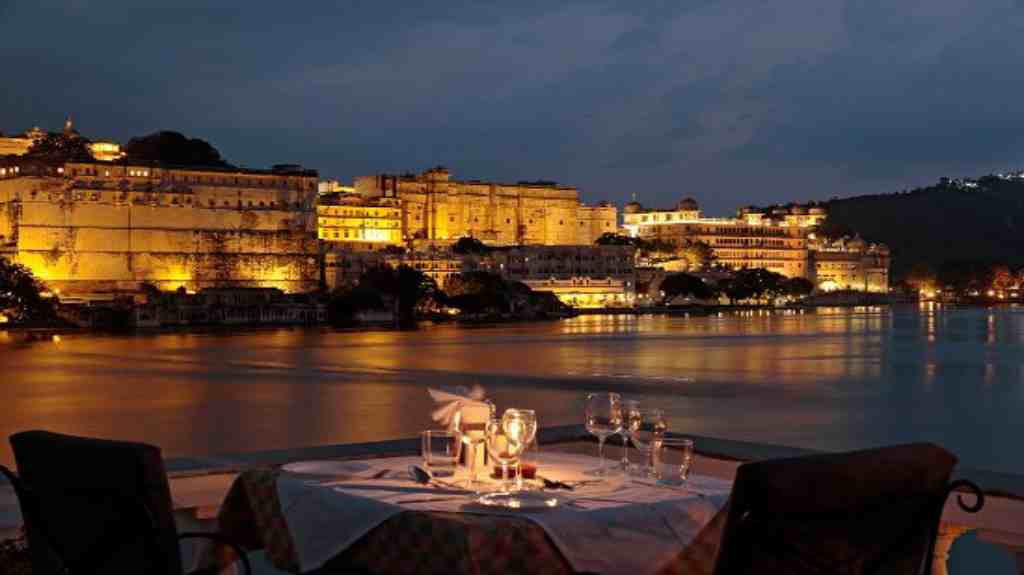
(42, 332)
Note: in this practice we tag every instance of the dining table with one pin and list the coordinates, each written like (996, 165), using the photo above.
(373, 516)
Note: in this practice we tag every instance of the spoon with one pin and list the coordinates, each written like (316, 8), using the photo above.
(420, 475)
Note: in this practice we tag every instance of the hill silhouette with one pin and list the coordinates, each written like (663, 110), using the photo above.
(951, 221)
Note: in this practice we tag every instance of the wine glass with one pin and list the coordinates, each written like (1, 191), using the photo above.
(630, 423)
(522, 424)
(503, 448)
(680, 472)
(603, 417)
(648, 438)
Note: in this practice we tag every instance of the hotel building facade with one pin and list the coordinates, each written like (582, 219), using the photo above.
(780, 239)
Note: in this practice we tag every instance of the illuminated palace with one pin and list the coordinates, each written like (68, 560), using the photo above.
(436, 210)
(19, 145)
(360, 224)
(781, 240)
(101, 226)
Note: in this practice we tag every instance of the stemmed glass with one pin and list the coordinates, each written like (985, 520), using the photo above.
(520, 424)
(603, 417)
(648, 438)
(630, 423)
(503, 448)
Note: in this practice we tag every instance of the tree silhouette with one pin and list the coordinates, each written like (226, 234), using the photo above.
(66, 147)
(21, 294)
(175, 149)
(686, 285)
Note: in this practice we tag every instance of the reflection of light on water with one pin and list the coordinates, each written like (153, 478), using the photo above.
(830, 379)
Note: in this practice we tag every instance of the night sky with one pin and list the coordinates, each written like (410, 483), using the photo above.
(729, 102)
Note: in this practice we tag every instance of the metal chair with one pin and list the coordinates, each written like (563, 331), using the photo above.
(98, 506)
(872, 512)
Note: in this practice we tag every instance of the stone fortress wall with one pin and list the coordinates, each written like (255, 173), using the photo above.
(98, 226)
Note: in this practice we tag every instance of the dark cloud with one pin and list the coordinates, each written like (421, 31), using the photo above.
(733, 103)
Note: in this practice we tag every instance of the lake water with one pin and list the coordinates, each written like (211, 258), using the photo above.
(830, 378)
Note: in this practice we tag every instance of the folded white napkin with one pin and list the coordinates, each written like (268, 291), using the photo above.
(453, 399)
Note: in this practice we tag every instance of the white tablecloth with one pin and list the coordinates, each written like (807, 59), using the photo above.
(621, 527)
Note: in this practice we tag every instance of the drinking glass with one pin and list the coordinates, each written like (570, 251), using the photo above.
(440, 450)
(603, 417)
(521, 424)
(472, 423)
(679, 471)
(630, 423)
(503, 448)
(648, 437)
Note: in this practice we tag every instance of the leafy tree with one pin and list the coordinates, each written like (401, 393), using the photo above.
(965, 275)
(417, 292)
(412, 291)
(393, 250)
(655, 247)
(173, 148)
(64, 147)
(685, 285)
(698, 255)
(614, 239)
(21, 294)
(470, 245)
(470, 303)
(489, 290)
(645, 247)
(735, 290)
(752, 283)
(797, 287)
(921, 277)
(833, 230)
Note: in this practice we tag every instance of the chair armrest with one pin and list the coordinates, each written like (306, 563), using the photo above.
(222, 540)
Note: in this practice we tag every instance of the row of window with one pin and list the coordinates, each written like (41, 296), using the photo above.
(670, 216)
(218, 180)
(364, 213)
(749, 242)
(184, 200)
(352, 235)
(358, 223)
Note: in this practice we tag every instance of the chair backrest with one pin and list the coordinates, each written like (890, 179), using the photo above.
(867, 512)
(95, 506)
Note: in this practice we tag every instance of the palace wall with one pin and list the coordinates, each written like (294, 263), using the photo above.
(79, 236)
(435, 208)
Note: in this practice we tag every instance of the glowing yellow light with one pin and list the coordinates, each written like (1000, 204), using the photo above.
(56, 338)
(3, 318)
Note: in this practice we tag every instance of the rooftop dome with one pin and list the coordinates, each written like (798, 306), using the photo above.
(687, 205)
(632, 207)
(798, 210)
